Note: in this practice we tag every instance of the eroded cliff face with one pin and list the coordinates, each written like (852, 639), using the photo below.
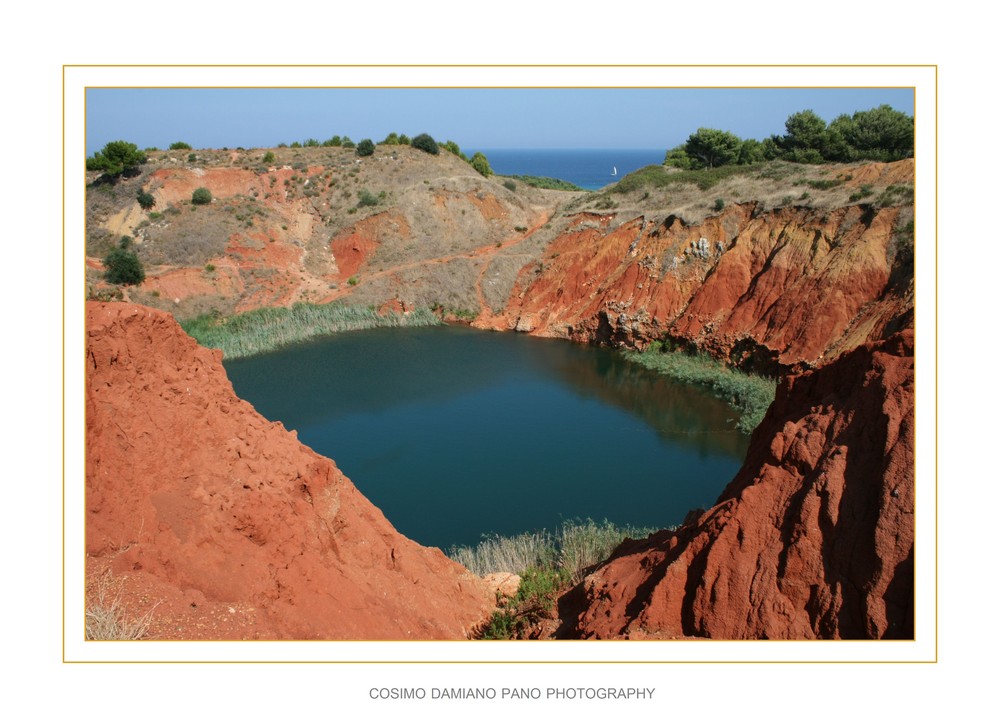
(812, 539)
(764, 288)
(223, 524)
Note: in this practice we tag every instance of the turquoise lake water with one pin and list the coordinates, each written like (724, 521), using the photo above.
(455, 433)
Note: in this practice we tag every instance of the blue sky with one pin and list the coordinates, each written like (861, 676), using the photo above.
(474, 118)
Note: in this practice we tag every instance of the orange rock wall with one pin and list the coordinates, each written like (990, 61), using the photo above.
(795, 284)
(202, 504)
(812, 539)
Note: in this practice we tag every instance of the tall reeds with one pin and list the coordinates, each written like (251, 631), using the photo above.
(268, 329)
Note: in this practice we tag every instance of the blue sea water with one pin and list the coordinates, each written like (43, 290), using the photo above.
(587, 168)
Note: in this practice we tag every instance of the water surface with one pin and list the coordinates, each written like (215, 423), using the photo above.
(455, 433)
(590, 169)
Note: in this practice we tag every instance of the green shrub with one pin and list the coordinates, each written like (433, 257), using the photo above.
(365, 148)
(865, 191)
(481, 164)
(454, 149)
(510, 185)
(268, 158)
(719, 204)
(425, 143)
(367, 199)
(122, 267)
(546, 183)
(192, 157)
(180, 145)
(201, 196)
(146, 200)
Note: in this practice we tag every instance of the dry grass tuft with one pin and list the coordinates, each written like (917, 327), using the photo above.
(108, 619)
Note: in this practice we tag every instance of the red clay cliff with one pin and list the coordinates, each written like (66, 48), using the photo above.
(223, 524)
(813, 538)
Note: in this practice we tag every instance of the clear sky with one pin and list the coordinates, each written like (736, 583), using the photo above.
(474, 118)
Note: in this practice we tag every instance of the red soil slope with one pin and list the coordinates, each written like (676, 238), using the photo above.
(223, 523)
(813, 538)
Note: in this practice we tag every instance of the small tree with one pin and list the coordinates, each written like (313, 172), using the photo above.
(117, 158)
(805, 139)
(268, 158)
(392, 139)
(346, 143)
(713, 147)
(365, 148)
(425, 143)
(180, 145)
(122, 266)
(201, 196)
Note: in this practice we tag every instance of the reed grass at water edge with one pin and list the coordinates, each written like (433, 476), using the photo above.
(269, 329)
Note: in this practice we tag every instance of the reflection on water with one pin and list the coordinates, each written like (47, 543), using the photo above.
(454, 433)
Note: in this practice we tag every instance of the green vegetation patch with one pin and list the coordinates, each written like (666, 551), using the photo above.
(656, 175)
(546, 562)
(573, 548)
(748, 394)
(122, 265)
(268, 329)
(546, 183)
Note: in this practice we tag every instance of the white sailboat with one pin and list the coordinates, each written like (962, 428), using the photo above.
(614, 171)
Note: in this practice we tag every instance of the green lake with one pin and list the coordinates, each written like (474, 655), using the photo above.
(454, 433)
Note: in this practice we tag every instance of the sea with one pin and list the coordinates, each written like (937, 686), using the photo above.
(590, 169)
